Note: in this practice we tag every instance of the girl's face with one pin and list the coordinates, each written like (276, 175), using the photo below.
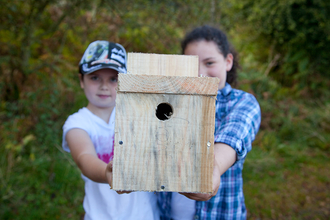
(100, 89)
(211, 61)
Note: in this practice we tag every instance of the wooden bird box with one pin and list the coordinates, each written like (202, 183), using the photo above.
(164, 131)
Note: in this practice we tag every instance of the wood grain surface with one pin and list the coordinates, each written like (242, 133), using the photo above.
(168, 84)
(171, 150)
(162, 64)
(171, 155)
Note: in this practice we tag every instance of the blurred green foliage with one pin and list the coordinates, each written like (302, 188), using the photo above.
(283, 47)
(292, 37)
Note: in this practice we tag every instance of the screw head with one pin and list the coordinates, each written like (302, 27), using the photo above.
(208, 144)
(121, 142)
(162, 187)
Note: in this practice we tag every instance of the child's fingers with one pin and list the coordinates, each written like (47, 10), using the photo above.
(123, 192)
(198, 196)
(109, 166)
(108, 173)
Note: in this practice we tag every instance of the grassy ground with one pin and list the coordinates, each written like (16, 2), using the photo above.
(286, 173)
(287, 184)
(278, 184)
(49, 187)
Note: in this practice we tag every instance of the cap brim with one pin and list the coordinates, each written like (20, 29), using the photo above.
(84, 69)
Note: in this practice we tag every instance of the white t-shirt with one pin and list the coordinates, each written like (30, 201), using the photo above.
(182, 208)
(100, 201)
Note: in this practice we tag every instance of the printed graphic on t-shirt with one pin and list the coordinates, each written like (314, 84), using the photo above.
(104, 148)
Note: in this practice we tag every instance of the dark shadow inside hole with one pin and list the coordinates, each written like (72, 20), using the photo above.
(164, 111)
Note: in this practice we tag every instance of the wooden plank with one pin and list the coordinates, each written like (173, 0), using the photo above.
(162, 64)
(168, 84)
(164, 155)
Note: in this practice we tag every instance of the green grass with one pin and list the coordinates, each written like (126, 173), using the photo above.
(48, 187)
(281, 181)
(286, 173)
(290, 185)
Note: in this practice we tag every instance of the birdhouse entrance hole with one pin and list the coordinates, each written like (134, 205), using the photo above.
(164, 111)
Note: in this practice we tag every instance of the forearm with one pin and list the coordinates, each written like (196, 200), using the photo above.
(92, 167)
(83, 153)
(224, 156)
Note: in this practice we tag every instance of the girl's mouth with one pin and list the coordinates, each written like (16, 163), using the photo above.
(103, 96)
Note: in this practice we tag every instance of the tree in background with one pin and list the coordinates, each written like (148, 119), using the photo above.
(291, 36)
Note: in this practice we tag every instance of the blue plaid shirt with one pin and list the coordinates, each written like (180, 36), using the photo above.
(237, 121)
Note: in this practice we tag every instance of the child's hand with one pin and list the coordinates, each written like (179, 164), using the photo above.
(108, 173)
(109, 176)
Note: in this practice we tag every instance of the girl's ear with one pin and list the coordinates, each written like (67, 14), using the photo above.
(229, 61)
(81, 81)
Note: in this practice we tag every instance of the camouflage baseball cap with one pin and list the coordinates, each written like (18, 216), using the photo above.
(102, 55)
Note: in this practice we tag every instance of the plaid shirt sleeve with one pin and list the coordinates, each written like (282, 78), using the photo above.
(237, 121)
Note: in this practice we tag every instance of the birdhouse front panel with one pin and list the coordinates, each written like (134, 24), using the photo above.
(164, 142)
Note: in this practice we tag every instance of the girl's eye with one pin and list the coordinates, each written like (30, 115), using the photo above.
(114, 79)
(94, 78)
(209, 63)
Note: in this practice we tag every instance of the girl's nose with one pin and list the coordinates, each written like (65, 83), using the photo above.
(105, 86)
